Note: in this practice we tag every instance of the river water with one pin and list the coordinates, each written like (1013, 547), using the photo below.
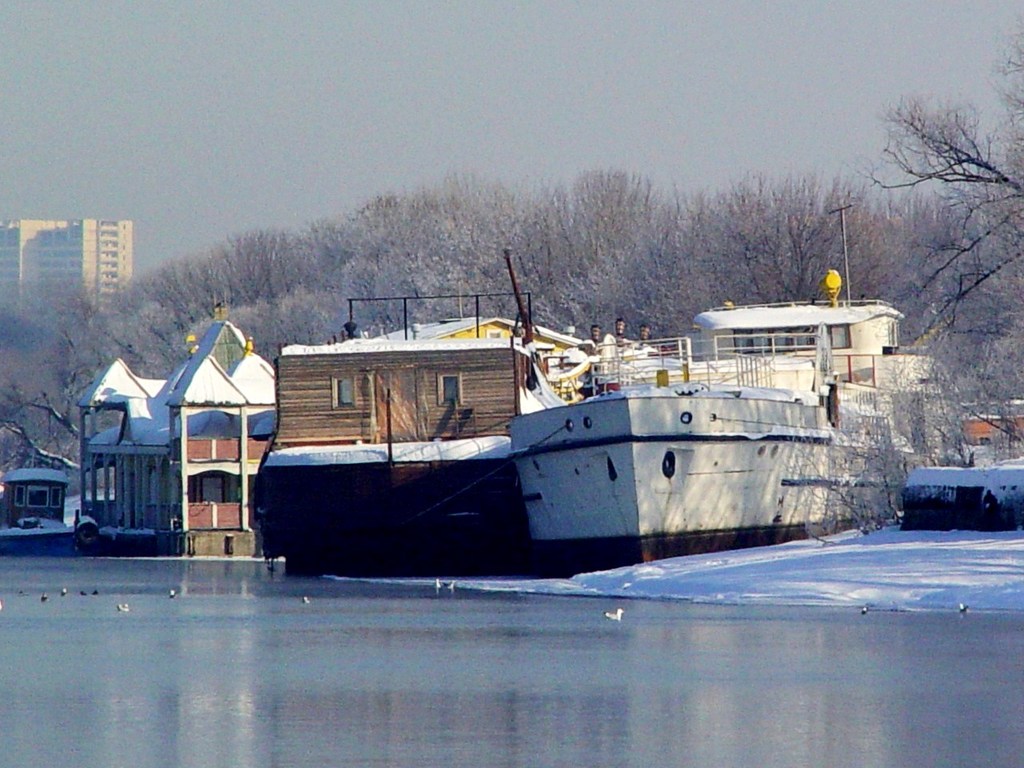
(239, 670)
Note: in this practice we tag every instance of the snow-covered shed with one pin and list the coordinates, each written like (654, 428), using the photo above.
(168, 465)
(965, 498)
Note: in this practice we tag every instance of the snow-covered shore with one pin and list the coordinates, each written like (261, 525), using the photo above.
(885, 570)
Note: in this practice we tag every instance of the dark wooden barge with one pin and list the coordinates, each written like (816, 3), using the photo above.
(391, 459)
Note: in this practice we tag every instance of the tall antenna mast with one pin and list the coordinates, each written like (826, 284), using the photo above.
(846, 253)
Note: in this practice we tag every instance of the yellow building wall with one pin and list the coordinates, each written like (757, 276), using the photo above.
(493, 330)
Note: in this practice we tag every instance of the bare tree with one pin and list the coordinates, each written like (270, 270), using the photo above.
(979, 172)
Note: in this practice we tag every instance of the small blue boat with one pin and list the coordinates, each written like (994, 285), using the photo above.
(32, 514)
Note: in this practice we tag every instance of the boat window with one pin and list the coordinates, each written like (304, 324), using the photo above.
(668, 464)
(343, 392)
(839, 335)
(38, 496)
(771, 340)
(55, 497)
(19, 495)
(449, 389)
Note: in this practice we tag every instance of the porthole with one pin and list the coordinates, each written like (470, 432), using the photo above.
(569, 426)
(775, 451)
(587, 423)
(668, 464)
(613, 475)
(760, 451)
(686, 417)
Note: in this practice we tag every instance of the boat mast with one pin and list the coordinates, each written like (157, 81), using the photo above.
(523, 311)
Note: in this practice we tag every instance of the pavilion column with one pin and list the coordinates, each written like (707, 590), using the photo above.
(109, 510)
(119, 491)
(183, 463)
(139, 479)
(243, 474)
(83, 461)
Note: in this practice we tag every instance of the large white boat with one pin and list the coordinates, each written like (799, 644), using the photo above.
(682, 453)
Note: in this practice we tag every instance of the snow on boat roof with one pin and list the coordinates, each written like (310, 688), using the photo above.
(490, 447)
(357, 346)
(792, 316)
(28, 474)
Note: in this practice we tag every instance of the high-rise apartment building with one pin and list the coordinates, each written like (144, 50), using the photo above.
(41, 256)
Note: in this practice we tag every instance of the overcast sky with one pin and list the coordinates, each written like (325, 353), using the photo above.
(203, 120)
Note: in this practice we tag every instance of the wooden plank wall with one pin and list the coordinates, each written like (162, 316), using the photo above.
(306, 414)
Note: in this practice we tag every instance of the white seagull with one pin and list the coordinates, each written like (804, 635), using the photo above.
(305, 600)
(615, 615)
(172, 594)
(123, 608)
(962, 608)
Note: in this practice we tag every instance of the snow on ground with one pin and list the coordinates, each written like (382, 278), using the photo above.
(885, 570)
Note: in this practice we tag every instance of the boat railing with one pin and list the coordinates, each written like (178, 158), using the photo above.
(750, 362)
(765, 360)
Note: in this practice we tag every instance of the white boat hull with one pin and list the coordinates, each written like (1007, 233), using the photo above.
(658, 472)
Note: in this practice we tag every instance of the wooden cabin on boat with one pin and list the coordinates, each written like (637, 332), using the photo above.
(374, 391)
(168, 465)
(33, 492)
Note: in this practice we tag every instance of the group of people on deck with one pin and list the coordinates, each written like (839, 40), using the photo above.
(599, 340)
(609, 348)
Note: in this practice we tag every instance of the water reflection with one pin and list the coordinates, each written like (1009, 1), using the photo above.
(239, 671)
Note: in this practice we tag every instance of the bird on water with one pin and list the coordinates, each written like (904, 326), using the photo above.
(615, 615)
